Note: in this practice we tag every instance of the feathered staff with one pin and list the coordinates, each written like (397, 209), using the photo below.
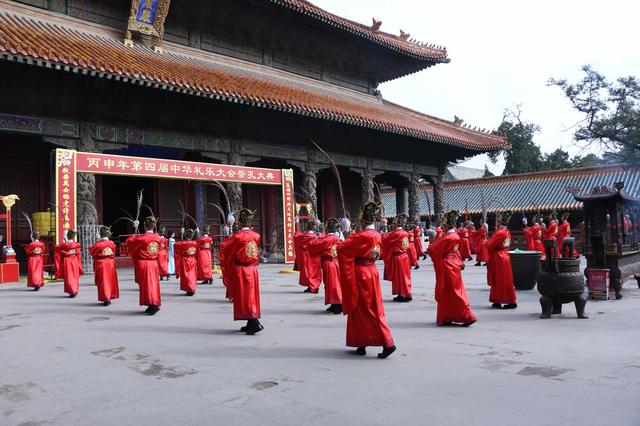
(230, 216)
(186, 215)
(26, 216)
(336, 174)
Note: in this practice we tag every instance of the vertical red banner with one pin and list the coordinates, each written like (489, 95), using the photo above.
(66, 215)
(289, 210)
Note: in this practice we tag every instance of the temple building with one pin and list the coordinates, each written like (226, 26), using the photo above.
(236, 82)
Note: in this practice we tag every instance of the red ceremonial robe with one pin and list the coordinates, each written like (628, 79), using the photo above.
(439, 232)
(35, 263)
(551, 233)
(239, 263)
(537, 240)
(411, 250)
(299, 241)
(528, 234)
(397, 244)
(453, 303)
(564, 231)
(68, 263)
(326, 249)
(226, 274)
(361, 294)
(464, 246)
(104, 270)
(312, 265)
(163, 257)
(481, 249)
(417, 234)
(144, 249)
(387, 256)
(473, 239)
(204, 257)
(499, 274)
(185, 252)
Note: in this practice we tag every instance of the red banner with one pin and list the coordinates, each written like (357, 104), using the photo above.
(105, 164)
(289, 209)
(65, 192)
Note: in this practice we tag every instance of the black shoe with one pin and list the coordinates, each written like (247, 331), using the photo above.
(386, 352)
(72, 296)
(407, 299)
(308, 290)
(254, 329)
(510, 306)
(107, 303)
(361, 351)
(337, 309)
(244, 329)
(148, 309)
(496, 306)
(478, 264)
(329, 309)
(36, 288)
(445, 324)
(618, 296)
(468, 323)
(189, 293)
(417, 267)
(153, 309)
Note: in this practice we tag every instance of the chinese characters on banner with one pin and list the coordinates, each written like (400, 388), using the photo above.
(289, 214)
(155, 167)
(65, 192)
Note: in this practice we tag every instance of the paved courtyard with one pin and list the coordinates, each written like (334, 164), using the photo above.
(75, 362)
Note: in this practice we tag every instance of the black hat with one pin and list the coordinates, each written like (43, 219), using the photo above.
(504, 218)
(332, 225)
(246, 217)
(206, 228)
(449, 219)
(369, 212)
(149, 223)
(402, 219)
(71, 234)
(105, 232)
(188, 234)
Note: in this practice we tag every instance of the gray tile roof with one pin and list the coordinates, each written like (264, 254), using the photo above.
(528, 192)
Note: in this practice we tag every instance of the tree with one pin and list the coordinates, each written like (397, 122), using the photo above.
(611, 113)
(558, 159)
(589, 160)
(524, 155)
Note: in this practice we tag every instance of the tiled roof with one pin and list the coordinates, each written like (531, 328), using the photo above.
(454, 173)
(62, 43)
(395, 42)
(529, 192)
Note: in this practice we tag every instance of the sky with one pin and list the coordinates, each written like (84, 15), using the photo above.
(502, 55)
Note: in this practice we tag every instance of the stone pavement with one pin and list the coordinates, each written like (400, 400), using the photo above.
(74, 362)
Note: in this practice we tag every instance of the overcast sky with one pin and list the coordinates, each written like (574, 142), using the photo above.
(502, 54)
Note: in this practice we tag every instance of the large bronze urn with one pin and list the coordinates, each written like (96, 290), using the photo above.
(560, 281)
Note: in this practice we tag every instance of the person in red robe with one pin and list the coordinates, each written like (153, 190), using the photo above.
(439, 232)
(310, 268)
(326, 249)
(397, 244)
(144, 249)
(163, 255)
(35, 262)
(418, 235)
(68, 264)
(104, 267)
(186, 263)
(551, 233)
(481, 248)
(471, 229)
(361, 294)
(450, 294)
(239, 255)
(564, 231)
(203, 257)
(499, 273)
(464, 245)
(411, 250)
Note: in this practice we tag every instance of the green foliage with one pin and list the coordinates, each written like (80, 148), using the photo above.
(524, 155)
(611, 113)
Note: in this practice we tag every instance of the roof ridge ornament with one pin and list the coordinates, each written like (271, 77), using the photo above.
(375, 26)
(404, 36)
(147, 17)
